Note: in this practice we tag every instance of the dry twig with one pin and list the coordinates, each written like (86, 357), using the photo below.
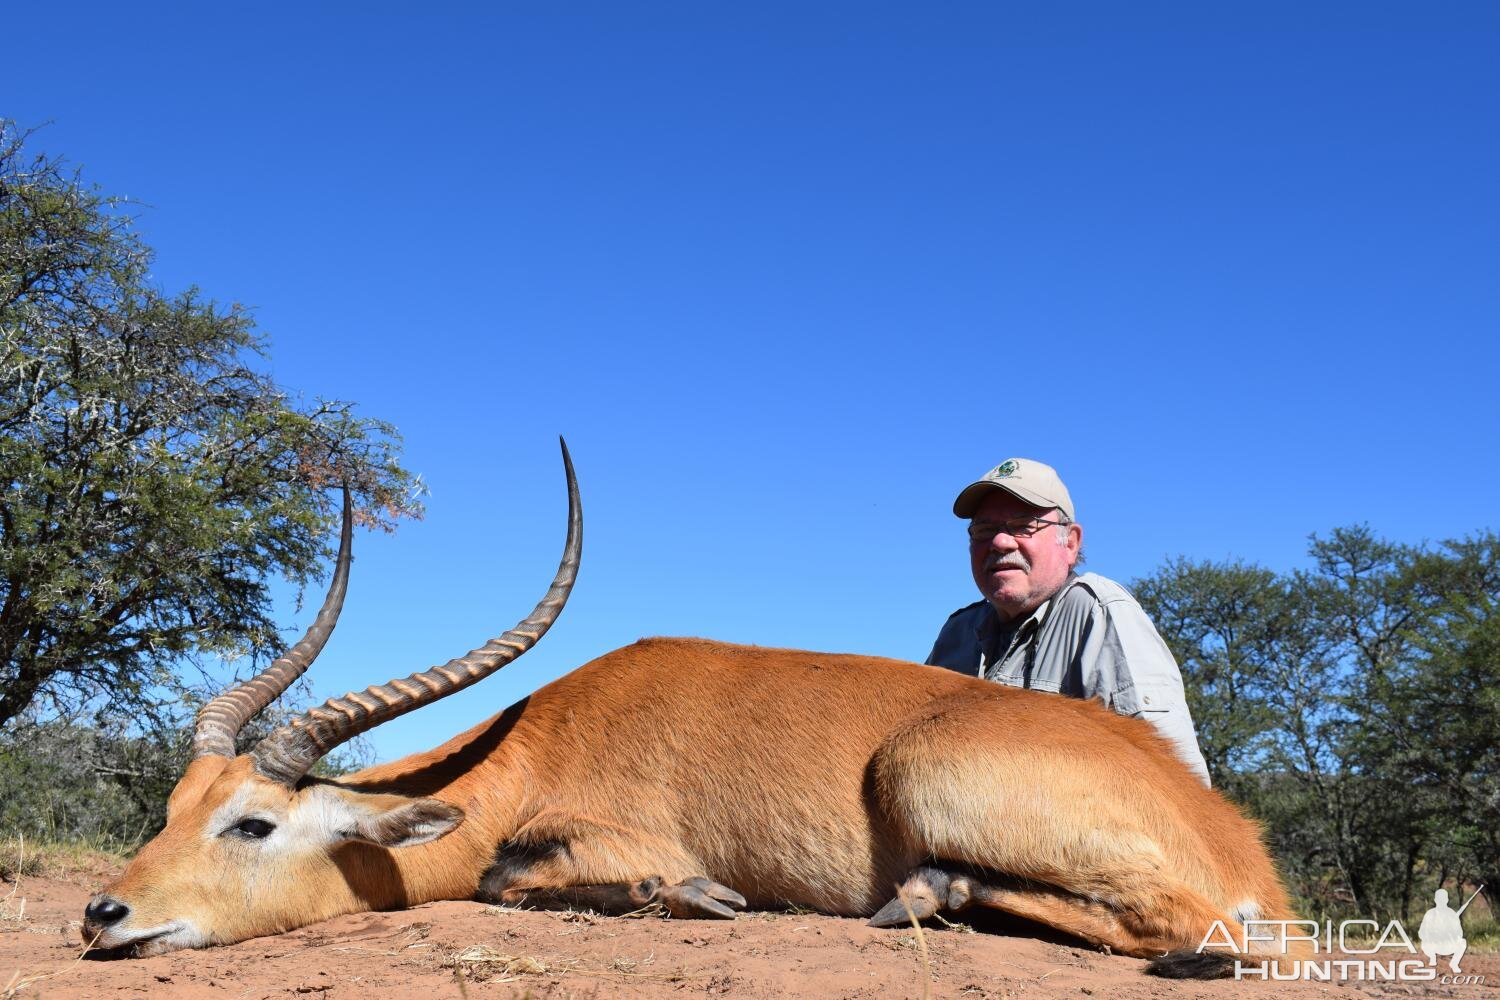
(921, 945)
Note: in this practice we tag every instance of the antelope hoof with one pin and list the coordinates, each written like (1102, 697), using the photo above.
(700, 897)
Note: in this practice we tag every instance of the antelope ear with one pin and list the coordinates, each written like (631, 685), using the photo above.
(410, 822)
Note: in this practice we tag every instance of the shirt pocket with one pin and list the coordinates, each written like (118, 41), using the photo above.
(1156, 697)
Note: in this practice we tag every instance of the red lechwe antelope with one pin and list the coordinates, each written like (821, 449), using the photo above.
(702, 776)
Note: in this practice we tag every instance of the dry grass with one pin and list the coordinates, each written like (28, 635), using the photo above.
(1483, 935)
(14, 868)
(22, 857)
(17, 864)
(19, 981)
(23, 979)
(921, 946)
(481, 963)
(12, 909)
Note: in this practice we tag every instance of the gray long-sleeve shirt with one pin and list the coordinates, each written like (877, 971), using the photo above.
(1091, 640)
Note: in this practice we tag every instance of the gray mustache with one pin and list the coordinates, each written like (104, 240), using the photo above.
(1007, 562)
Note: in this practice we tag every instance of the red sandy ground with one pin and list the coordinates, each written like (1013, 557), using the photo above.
(460, 950)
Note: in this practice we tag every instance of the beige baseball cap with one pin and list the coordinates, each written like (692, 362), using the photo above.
(1025, 479)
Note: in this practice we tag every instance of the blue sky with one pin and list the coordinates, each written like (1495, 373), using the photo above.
(790, 275)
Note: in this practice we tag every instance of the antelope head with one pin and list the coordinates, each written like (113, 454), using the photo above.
(254, 846)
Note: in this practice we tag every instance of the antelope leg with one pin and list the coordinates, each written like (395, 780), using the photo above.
(694, 897)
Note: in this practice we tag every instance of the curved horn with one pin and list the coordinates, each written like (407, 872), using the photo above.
(221, 720)
(288, 753)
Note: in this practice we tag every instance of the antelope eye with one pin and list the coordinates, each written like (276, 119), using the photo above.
(255, 829)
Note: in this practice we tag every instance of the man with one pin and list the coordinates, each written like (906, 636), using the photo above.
(1042, 625)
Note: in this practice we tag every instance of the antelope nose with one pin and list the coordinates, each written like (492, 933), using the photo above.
(105, 910)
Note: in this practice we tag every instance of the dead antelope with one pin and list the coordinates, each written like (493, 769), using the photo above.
(702, 776)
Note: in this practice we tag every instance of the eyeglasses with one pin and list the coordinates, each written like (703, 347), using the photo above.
(985, 531)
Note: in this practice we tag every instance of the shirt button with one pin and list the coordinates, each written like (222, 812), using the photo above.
(1146, 700)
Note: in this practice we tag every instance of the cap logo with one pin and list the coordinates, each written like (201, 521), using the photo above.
(1004, 469)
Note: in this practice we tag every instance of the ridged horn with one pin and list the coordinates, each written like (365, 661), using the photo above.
(221, 720)
(291, 751)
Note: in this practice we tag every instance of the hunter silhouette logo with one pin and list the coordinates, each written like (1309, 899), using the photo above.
(1442, 933)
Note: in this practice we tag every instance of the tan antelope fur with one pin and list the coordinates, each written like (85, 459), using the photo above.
(706, 777)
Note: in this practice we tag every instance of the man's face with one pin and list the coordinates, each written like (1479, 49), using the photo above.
(1017, 574)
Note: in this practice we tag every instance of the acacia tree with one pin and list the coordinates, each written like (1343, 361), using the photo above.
(1352, 707)
(152, 481)
(1225, 623)
(1263, 687)
(1434, 713)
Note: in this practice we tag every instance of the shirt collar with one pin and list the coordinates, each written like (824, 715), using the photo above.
(991, 625)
